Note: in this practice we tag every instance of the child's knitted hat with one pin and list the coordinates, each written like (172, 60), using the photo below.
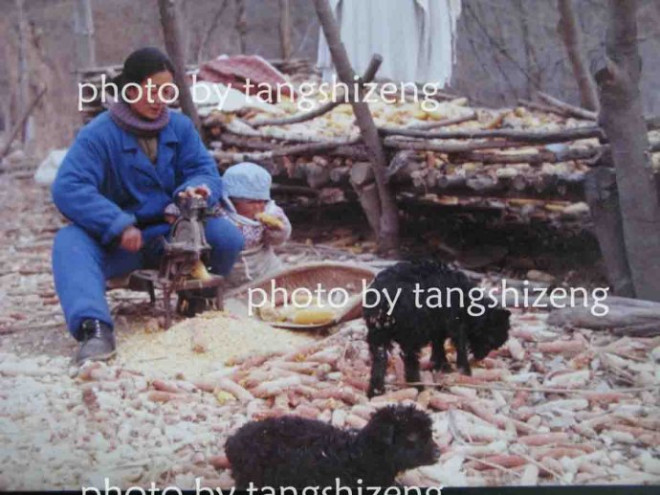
(247, 181)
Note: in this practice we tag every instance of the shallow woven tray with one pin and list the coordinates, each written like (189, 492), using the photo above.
(329, 274)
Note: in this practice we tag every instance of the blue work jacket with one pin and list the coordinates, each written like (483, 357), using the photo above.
(106, 182)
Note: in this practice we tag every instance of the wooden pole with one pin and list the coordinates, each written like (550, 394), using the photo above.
(388, 234)
(369, 74)
(285, 28)
(578, 112)
(510, 134)
(174, 46)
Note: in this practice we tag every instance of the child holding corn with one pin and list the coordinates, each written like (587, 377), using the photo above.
(248, 205)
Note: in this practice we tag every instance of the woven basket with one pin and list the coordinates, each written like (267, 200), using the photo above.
(330, 275)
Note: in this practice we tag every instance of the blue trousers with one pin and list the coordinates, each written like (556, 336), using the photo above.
(81, 265)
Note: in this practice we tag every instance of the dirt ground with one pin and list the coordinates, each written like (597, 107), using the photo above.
(31, 321)
(552, 406)
(30, 317)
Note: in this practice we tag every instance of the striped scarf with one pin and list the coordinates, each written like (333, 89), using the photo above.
(124, 117)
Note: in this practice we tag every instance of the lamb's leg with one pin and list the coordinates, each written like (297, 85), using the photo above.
(411, 363)
(438, 356)
(378, 370)
(461, 351)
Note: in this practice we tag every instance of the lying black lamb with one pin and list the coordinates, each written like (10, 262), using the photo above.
(414, 327)
(298, 452)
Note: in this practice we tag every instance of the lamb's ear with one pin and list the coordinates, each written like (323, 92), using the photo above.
(502, 315)
(380, 432)
(386, 434)
(383, 426)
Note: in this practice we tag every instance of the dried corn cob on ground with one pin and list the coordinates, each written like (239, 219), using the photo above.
(547, 408)
(551, 407)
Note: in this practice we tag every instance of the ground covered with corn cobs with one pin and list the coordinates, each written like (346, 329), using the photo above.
(552, 406)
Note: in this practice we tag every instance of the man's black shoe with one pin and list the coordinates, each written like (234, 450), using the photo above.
(98, 342)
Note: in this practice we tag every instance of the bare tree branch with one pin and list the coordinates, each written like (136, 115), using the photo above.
(570, 34)
(241, 24)
(207, 34)
(285, 28)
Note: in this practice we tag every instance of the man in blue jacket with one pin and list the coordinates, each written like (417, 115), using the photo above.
(124, 168)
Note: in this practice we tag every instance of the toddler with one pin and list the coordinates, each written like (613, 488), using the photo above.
(248, 205)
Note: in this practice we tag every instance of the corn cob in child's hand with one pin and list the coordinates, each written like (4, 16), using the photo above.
(270, 221)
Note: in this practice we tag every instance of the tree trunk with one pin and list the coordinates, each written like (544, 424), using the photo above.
(285, 28)
(622, 120)
(603, 200)
(174, 46)
(241, 24)
(84, 27)
(22, 67)
(361, 179)
(370, 203)
(388, 234)
(6, 115)
(570, 34)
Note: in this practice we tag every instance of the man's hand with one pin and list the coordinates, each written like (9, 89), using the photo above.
(198, 191)
(171, 213)
(131, 239)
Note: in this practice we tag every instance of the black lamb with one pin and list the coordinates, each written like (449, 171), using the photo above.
(299, 452)
(413, 327)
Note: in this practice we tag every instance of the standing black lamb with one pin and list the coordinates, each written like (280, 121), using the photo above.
(299, 452)
(413, 328)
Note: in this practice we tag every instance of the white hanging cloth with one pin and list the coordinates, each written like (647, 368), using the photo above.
(417, 38)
